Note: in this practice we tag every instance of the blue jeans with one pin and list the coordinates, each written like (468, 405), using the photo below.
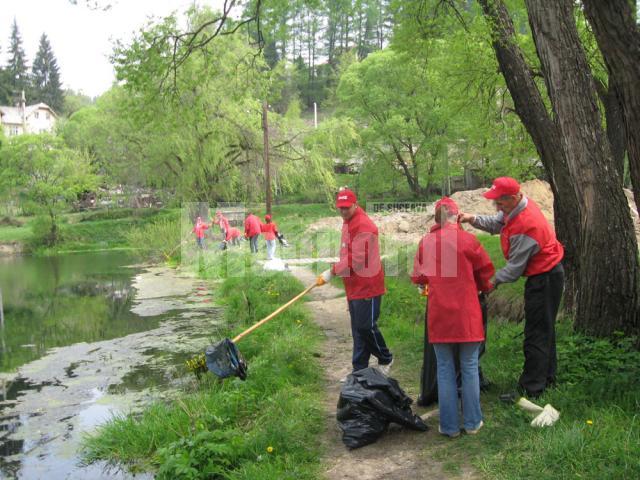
(253, 243)
(448, 389)
(271, 249)
(367, 339)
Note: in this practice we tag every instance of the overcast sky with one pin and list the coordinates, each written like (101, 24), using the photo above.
(81, 38)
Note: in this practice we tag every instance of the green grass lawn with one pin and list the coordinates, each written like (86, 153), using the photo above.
(9, 234)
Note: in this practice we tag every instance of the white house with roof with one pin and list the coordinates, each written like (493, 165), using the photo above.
(21, 119)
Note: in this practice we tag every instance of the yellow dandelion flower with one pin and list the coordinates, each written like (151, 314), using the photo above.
(269, 449)
(589, 422)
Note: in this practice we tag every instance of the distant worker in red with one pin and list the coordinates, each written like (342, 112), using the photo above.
(270, 232)
(454, 267)
(532, 250)
(252, 231)
(362, 274)
(199, 229)
(223, 223)
(232, 236)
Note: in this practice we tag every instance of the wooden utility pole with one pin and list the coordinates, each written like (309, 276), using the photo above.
(1, 313)
(267, 171)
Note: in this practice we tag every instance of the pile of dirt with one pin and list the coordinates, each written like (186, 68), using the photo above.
(409, 227)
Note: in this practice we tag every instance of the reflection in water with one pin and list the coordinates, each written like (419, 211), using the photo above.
(61, 300)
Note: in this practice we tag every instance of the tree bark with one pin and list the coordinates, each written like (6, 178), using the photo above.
(618, 36)
(607, 296)
(610, 98)
(531, 109)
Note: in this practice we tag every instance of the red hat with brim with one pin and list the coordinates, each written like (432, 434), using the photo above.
(267, 217)
(345, 198)
(449, 204)
(502, 186)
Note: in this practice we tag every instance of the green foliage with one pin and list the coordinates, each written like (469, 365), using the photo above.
(74, 101)
(45, 175)
(157, 240)
(195, 130)
(42, 227)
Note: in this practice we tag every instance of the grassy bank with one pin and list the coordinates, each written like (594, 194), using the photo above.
(265, 427)
(85, 231)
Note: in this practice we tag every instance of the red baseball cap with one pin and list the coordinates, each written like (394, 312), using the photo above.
(267, 217)
(345, 198)
(502, 186)
(449, 204)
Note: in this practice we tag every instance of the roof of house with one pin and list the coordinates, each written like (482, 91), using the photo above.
(13, 115)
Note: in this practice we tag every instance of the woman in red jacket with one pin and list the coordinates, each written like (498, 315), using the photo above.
(454, 267)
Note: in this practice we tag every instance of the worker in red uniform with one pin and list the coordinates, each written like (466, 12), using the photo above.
(252, 231)
(270, 231)
(233, 237)
(454, 267)
(199, 229)
(362, 274)
(532, 250)
(223, 223)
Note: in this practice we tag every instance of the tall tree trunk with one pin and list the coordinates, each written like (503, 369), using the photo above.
(616, 134)
(607, 297)
(618, 36)
(531, 109)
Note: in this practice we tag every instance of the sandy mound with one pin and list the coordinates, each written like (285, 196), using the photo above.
(410, 227)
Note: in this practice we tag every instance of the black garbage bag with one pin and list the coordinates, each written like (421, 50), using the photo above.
(368, 402)
(429, 373)
(225, 360)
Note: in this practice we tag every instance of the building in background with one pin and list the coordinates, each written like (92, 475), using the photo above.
(38, 118)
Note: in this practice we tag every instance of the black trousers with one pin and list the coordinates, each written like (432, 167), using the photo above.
(367, 339)
(542, 294)
(429, 374)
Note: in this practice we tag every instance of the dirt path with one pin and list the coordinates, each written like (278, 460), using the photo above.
(399, 454)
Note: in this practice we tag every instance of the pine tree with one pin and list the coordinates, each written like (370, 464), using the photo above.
(17, 69)
(5, 88)
(46, 76)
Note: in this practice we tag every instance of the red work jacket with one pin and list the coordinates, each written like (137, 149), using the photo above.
(252, 226)
(455, 267)
(199, 229)
(530, 222)
(232, 233)
(269, 230)
(360, 266)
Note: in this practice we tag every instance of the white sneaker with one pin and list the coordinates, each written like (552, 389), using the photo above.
(475, 430)
(385, 369)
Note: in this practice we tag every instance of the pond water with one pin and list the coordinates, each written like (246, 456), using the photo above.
(61, 300)
(87, 336)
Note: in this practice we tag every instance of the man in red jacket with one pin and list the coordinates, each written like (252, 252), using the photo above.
(452, 264)
(361, 270)
(252, 231)
(531, 248)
